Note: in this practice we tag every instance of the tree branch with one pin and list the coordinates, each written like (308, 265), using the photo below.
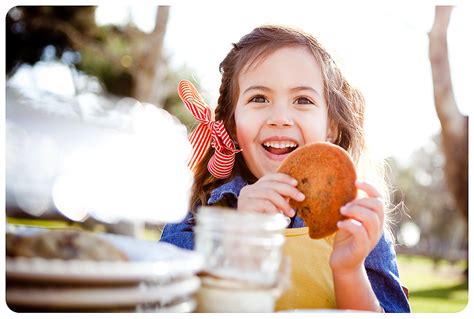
(450, 117)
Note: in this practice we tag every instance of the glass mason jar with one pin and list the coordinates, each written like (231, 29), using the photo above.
(240, 245)
(243, 258)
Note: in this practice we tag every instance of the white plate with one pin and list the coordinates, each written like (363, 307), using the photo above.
(148, 261)
(58, 298)
(185, 306)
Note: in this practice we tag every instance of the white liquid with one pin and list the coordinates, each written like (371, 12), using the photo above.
(216, 299)
(224, 295)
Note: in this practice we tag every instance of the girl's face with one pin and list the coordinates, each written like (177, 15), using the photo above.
(280, 107)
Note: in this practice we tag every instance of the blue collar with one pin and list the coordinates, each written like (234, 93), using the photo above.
(233, 188)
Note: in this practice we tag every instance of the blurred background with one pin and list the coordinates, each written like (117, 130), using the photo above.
(96, 133)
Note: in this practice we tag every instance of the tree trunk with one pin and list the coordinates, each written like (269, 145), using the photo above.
(454, 125)
(151, 69)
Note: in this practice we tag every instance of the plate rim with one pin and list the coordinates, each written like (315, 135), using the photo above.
(54, 270)
(97, 297)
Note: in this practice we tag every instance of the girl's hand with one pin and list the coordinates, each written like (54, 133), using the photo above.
(270, 194)
(360, 232)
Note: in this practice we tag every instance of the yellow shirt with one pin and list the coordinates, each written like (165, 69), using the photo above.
(312, 285)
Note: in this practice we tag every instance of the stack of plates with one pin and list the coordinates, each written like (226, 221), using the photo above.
(158, 277)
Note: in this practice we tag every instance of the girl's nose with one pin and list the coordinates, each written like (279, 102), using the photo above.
(280, 115)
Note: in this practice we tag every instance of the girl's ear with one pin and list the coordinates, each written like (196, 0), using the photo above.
(332, 132)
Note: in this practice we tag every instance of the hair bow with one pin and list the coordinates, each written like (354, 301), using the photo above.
(221, 163)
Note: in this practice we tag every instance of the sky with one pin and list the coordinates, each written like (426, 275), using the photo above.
(382, 49)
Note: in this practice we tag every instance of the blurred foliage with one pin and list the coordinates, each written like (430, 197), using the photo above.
(116, 77)
(29, 30)
(428, 203)
(107, 52)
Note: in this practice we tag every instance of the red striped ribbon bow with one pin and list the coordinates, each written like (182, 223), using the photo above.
(221, 163)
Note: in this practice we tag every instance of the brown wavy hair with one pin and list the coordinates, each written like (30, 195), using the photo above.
(345, 103)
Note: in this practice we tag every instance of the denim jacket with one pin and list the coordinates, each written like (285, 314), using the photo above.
(380, 264)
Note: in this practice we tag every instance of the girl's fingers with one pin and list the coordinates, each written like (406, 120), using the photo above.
(261, 206)
(260, 198)
(275, 188)
(369, 220)
(267, 206)
(368, 188)
(373, 203)
(279, 177)
(376, 205)
(274, 197)
(284, 190)
(358, 232)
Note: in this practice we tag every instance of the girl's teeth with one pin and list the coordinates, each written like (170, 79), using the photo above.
(280, 144)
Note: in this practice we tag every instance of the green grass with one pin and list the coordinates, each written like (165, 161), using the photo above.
(433, 289)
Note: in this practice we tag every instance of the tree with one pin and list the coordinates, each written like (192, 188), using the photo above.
(128, 61)
(454, 125)
(150, 71)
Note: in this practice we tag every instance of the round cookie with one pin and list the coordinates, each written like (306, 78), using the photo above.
(326, 176)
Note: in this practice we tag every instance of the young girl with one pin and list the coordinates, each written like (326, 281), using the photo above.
(281, 90)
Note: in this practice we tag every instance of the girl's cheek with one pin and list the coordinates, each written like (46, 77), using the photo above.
(241, 138)
(245, 123)
(314, 127)
(242, 133)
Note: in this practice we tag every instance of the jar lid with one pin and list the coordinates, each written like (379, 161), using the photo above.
(228, 218)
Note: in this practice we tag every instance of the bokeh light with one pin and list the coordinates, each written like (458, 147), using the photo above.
(114, 160)
(409, 234)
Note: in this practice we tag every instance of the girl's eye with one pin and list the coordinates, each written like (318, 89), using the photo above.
(258, 99)
(303, 100)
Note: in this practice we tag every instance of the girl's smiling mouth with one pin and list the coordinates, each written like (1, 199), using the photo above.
(277, 149)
